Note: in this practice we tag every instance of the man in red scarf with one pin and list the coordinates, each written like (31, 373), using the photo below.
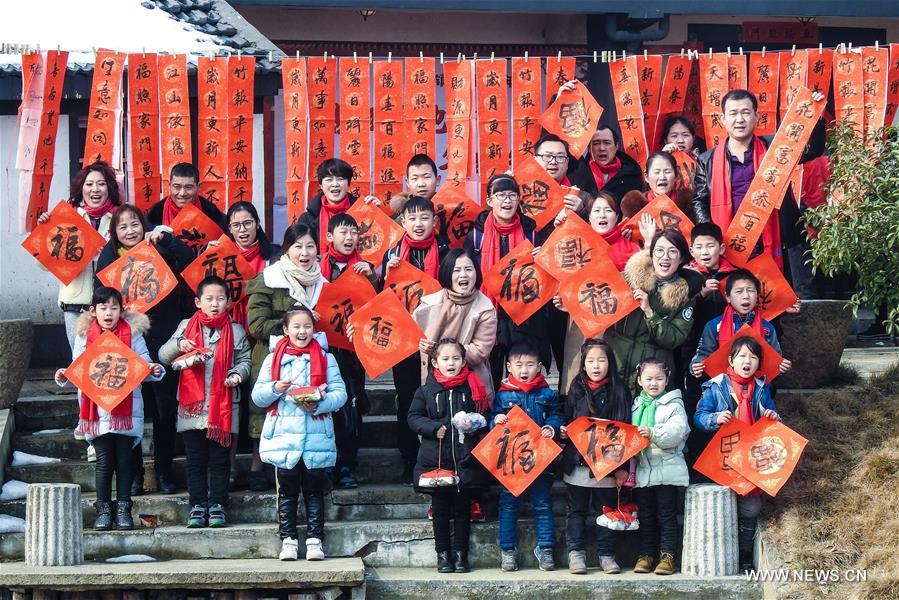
(184, 189)
(607, 167)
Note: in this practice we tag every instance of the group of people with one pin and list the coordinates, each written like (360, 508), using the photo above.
(261, 361)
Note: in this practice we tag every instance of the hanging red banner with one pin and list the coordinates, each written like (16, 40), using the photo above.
(242, 75)
(526, 106)
(793, 69)
(355, 122)
(764, 77)
(573, 116)
(629, 109)
(420, 108)
(212, 127)
(296, 134)
(457, 81)
(693, 103)
(893, 84)
(559, 70)
(321, 77)
(876, 64)
(104, 117)
(713, 86)
(820, 67)
(605, 445)
(673, 95)
(848, 89)
(143, 130)
(388, 129)
(737, 77)
(174, 112)
(493, 119)
(649, 71)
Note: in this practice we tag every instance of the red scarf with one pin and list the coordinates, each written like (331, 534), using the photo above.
(726, 331)
(743, 388)
(595, 385)
(330, 253)
(724, 266)
(327, 211)
(603, 173)
(432, 258)
(192, 387)
(88, 414)
(318, 364)
(620, 248)
(170, 210)
(99, 211)
(514, 384)
(478, 391)
(490, 248)
(240, 309)
(565, 181)
(722, 206)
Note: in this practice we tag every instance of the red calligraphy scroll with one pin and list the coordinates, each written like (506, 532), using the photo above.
(212, 127)
(793, 69)
(493, 120)
(515, 452)
(355, 122)
(336, 304)
(104, 117)
(526, 106)
(322, 85)
(892, 84)
(629, 108)
(876, 62)
(143, 130)
(194, 228)
(713, 462)
(667, 215)
(65, 243)
(458, 81)
(388, 129)
(717, 362)
(776, 295)
(174, 112)
(224, 260)
(767, 454)
(573, 116)
(377, 231)
(420, 108)
(736, 72)
(410, 284)
(693, 103)
(559, 70)
(649, 71)
(597, 296)
(456, 213)
(848, 89)
(384, 333)
(673, 94)
(296, 134)
(764, 77)
(242, 74)
(605, 445)
(571, 247)
(542, 198)
(713, 86)
(142, 276)
(107, 371)
(520, 285)
(820, 67)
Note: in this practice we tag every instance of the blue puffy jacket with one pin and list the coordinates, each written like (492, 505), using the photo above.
(717, 397)
(708, 343)
(542, 405)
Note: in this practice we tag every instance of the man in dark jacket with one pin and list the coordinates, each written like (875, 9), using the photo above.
(184, 189)
(606, 167)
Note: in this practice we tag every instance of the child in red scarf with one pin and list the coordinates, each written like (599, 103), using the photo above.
(333, 198)
(113, 434)
(739, 394)
(298, 435)
(526, 387)
(208, 397)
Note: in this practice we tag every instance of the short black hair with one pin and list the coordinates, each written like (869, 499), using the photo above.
(708, 229)
(445, 273)
(550, 137)
(616, 137)
(676, 239)
(420, 160)
(185, 169)
(666, 156)
(334, 167)
(104, 294)
(299, 308)
(211, 280)
(446, 342)
(295, 232)
(744, 341)
(653, 361)
(417, 204)
(522, 349)
(741, 275)
(676, 120)
(502, 183)
(341, 220)
(740, 95)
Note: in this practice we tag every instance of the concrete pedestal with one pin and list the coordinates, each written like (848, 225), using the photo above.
(53, 529)
(710, 531)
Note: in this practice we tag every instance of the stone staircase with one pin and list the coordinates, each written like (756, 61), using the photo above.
(383, 522)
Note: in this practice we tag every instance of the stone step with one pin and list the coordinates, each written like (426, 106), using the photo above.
(386, 583)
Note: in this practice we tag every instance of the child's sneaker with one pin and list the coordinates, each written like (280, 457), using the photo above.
(645, 564)
(477, 513)
(608, 565)
(666, 565)
(509, 560)
(216, 515)
(577, 562)
(314, 549)
(346, 480)
(545, 559)
(289, 549)
(197, 517)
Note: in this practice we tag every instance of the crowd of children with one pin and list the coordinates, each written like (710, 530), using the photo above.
(303, 402)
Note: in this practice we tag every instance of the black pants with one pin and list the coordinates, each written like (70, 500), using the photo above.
(113, 455)
(208, 469)
(311, 483)
(579, 499)
(657, 511)
(348, 420)
(406, 379)
(451, 509)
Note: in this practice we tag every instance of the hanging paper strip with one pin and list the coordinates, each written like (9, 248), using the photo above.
(104, 118)
(848, 86)
(693, 104)
(649, 70)
(764, 69)
(212, 127)
(793, 67)
(875, 65)
(296, 134)
(355, 121)
(526, 106)
(713, 86)
(457, 81)
(893, 85)
(242, 75)
(629, 109)
(322, 84)
(388, 129)
(420, 108)
(820, 66)
(174, 112)
(736, 72)
(673, 95)
(143, 130)
(29, 121)
(493, 120)
(559, 69)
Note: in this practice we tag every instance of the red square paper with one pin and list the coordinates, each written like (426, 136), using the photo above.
(337, 301)
(714, 460)
(571, 247)
(194, 228)
(410, 284)
(767, 454)
(142, 276)
(597, 297)
(384, 333)
(377, 231)
(225, 261)
(107, 371)
(770, 367)
(520, 284)
(65, 244)
(605, 445)
(456, 213)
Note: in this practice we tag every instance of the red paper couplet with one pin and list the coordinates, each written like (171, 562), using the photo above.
(770, 368)
(713, 462)
(596, 297)
(571, 247)
(764, 77)
(768, 454)
(455, 213)
(242, 75)
(410, 284)
(736, 72)
(107, 371)
(526, 106)
(321, 79)
(793, 67)
(65, 244)
(194, 228)
(296, 134)
(542, 198)
(420, 108)
(649, 70)
(605, 445)
(377, 231)
(458, 83)
(355, 122)
(212, 127)
(892, 84)
(629, 108)
(384, 333)
(388, 129)
(337, 301)
(559, 70)
(848, 88)
(224, 260)
(174, 112)
(142, 276)
(493, 120)
(820, 67)
(143, 122)
(874, 75)
(713, 85)
(515, 452)
(520, 285)
(102, 140)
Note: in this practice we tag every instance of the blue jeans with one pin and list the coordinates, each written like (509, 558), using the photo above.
(540, 493)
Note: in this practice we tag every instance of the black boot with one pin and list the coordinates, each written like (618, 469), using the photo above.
(123, 519)
(746, 540)
(445, 563)
(137, 459)
(462, 565)
(164, 483)
(104, 516)
(287, 518)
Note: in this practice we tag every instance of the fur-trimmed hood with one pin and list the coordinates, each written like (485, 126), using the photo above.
(140, 323)
(675, 294)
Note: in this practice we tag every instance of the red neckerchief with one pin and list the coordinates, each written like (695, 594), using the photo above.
(743, 388)
(99, 211)
(170, 210)
(603, 173)
(595, 385)
(330, 253)
(514, 384)
(726, 330)
(318, 364)
(432, 257)
(620, 248)
(724, 266)
(466, 375)
(565, 181)
(327, 211)
(239, 314)
(88, 414)
(490, 246)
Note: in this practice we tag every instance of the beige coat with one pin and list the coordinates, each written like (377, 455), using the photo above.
(478, 334)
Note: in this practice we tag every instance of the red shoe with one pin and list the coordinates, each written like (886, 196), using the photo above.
(477, 515)
(430, 513)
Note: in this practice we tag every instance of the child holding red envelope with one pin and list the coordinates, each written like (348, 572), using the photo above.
(739, 394)
(113, 434)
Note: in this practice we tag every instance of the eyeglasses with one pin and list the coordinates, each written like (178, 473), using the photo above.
(249, 224)
(670, 253)
(552, 158)
(506, 196)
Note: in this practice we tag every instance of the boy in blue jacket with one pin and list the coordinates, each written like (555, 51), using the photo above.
(526, 387)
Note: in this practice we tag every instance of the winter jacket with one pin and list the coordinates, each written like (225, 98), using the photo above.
(416, 256)
(708, 343)
(80, 290)
(293, 433)
(240, 365)
(629, 177)
(434, 406)
(662, 462)
(542, 405)
(718, 396)
(140, 324)
(154, 215)
(314, 209)
(636, 337)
